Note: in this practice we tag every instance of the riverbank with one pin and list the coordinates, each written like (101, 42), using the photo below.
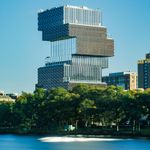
(81, 132)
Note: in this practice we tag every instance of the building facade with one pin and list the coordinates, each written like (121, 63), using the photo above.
(126, 80)
(144, 72)
(79, 47)
(5, 98)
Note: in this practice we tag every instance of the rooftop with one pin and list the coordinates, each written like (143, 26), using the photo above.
(69, 6)
(121, 73)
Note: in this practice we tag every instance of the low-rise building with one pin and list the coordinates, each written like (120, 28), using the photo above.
(127, 80)
(5, 97)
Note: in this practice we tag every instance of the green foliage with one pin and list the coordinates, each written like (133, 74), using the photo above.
(83, 106)
(6, 114)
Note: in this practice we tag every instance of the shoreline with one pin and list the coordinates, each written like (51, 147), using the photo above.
(79, 135)
(78, 138)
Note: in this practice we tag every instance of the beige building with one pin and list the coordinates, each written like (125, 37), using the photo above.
(133, 80)
(4, 97)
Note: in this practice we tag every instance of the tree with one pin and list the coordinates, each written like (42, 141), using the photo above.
(6, 114)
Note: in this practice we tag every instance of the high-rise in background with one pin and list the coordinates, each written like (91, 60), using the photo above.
(144, 72)
(79, 47)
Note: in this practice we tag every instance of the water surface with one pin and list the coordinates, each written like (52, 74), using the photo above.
(14, 142)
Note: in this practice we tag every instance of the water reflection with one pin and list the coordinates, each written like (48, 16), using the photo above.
(14, 142)
(76, 139)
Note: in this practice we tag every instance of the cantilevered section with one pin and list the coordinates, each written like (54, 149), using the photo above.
(79, 22)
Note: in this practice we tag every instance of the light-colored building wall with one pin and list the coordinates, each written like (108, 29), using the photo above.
(6, 98)
(133, 81)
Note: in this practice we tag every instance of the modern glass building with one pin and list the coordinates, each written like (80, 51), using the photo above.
(126, 80)
(79, 46)
(144, 72)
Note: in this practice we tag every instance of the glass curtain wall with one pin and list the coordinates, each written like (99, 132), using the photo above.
(82, 16)
(62, 50)
(85, 68)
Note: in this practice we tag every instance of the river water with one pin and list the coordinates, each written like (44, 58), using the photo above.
(14, 142)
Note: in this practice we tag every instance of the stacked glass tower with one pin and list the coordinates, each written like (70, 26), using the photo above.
(79, 47)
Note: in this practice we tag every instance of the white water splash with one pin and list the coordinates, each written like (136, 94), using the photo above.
(75, 139)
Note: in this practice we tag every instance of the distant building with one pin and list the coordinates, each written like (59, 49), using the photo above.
(127, 80)
(144, 72)
(1, 92)
(7, 97)
(79, 47)
(12, 95)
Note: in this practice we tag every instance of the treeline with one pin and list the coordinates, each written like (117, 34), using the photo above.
(84, 107)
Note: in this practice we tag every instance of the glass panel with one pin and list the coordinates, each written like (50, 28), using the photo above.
(85, 68)
(81, 15)
(62, 50)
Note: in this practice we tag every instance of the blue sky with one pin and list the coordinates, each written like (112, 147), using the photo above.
(22, 50)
